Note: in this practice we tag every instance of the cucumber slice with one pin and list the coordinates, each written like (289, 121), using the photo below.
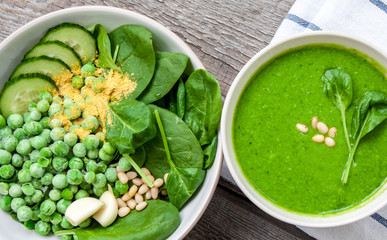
(44, 65)
(76, 37)
(20, 91)
(56, 49)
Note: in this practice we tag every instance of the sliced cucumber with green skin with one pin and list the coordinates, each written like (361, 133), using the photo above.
(20, 91)
(44, 65)
(56, 49)
(76, 37)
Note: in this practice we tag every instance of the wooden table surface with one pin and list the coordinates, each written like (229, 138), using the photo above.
(224, 35)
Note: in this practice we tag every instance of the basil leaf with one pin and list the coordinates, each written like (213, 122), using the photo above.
(169, 68)
(157, 221)
(135, 55)
(130, 124)
(105, 59)
(203, 105)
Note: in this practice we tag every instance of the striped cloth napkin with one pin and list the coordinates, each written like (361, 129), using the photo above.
(366, 19)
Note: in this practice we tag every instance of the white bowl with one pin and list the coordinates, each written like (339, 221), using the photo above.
(13, 48)
(363, 210)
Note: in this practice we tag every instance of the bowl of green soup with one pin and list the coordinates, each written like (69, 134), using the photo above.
(303, 129)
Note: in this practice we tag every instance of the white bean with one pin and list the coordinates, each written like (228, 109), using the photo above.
(151, 178)
(154, 192)
(118, 169)
(322, 127)
(143, 189)
(137, 181)
(145, 171)
(314, 122)
(132, 191)
(158, 182)
(141, 206)
(148, 195)
(332, 132)
(122, 212)
(302, 128)
(120, 203)
(318, 138)
(126, 197)
(139, 198)
(330, 142)
(131, 203)
(131, 175)
(122, 177)
(165, 178)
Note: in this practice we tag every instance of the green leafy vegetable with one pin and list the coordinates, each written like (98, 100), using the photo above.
(135, 55)
(181, 182)
(157, 221)
(180, 99)
(210, 153)
(130, 124)
(137, 168)
(371, 112)
(139, 156)
(105, 59)
(169, 68)
(203, 105)
(338, 88)
(184, 148)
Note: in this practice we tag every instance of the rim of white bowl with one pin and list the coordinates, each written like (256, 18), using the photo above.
(214, 177)
(331, 220)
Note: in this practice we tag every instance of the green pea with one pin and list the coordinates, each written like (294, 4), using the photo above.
(108, 148)
(97, 84)
(24, 213)
(36, 115)
(20, 134)
(121, 188)
(46, 134)
(57, 100)
(90, 177)
(62, 205)
(24, 176)
(27, 117)
(104, 156)
(28, 189)
(15, 120)
(46, 180)
(81, 194)
(36, 183)
(17, 160)
(79, 150)
(73, 112)
(43, 106)
(55, 194)
(16, 203)
(45, 122)
(32, 106)
(7, 171)
(101, 167)
(5, 157)
(91, 166)
(27, 163)
(60, 181)
(58, 134)
(55, 123)
(74, 127)
(124, 164)
(70, 139)
(78, 82)
(37, 196)
(46, 152)
(4, 188)
(48, 207)
(87, 70)
(43, 228)
(67, 194)
(90, 123)
(93, 154)
(15, 191)
(56, 218)
(76, 163)
(35, 155)
(44, 95)
(9, 143)
(5, 203)
(111, 174)
(60, 148)
(99, 191)
(101, 136)
(73, 188)
(2, 121)
(67, 102)
(33, 128)
(74, 177)
(23, 147)
(55, 109)
(91, 142)
(36, 170)
(38, 142)
(43, 217)
(35, 214)
(5, 131)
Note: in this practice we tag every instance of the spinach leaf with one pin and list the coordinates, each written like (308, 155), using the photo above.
(181, 182)
(203, 105)
(105, 59)
(169, 67)
(172, 102)
(135, 55)
(210, 153)
(371, 112)
(139, 156)
(185, 150)
(157, 221)
(130, 124)
(338, 88)
(180, 99)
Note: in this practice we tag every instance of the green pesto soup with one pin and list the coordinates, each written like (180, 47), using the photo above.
(284, 164)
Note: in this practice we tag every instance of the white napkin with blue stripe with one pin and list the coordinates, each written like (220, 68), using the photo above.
(366, 19)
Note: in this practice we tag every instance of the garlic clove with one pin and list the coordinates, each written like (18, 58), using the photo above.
(82, 209)
(108, 213)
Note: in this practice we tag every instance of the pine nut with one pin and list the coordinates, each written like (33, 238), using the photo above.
(302, 128)
(141, 206)
(137, 181)
(322, 127)
(122, 212)
(122, 177)
(145, 171)
(131, 175)
(164, 192)
(120, 203)
(133, 190)
(131, 203)
(318, 138)
(332, 132)
(118, 169)
(329, 142)
(143, 189)
(165, 178)
(139, 198)
(126, 197)
(148, 195)
(154, 192)
(314, 122)
(158, 182)
(151, 178)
